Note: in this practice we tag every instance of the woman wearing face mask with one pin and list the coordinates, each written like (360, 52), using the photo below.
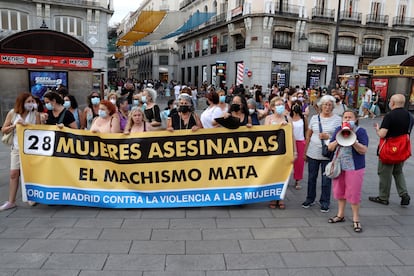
(106, 122)
(238, 109)
(300, 125)
(22, 113)
(91, 111)
(185, 117)
(72, 105)
(326, 121)
(224, 106)
(123, 110)
(152, 110)
(212, 111)
(278, 117)
(348, 185)
(56, 113)
(255, 114)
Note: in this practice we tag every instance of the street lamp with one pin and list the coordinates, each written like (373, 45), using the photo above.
(332, 83)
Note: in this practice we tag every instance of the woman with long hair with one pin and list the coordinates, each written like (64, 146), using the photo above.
(136, 122)
(24, 112)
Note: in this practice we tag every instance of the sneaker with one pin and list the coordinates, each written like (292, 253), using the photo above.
(324, 208)
(307, 204)
(405, 200)
(377, 199)
(7, 205)
(366, 116)
(32, 203)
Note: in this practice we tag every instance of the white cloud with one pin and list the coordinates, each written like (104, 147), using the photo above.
(122, 8)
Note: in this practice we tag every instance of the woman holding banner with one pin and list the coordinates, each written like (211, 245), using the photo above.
(107, 121)
(352, 143)
(278, 117)
(136, 122)
(185, 117)
(22, 113)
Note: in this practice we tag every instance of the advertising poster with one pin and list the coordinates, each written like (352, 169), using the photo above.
(41, 81)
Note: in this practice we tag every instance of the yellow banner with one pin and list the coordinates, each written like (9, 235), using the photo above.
(155, 169)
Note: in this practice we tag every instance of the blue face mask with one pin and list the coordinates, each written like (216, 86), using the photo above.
(144, 99)
(222, 99)
(102, 113)
(49, 106)
(135, 102)
(352, 124)
(66, 104)
(280, 109)
(95, 100)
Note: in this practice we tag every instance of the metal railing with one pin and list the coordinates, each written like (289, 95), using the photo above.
(369, 52)
(402, 21)
(288, 10)
(347, 50)
(323, 13)
(377, 19)
(282, 45)
(351, 16)
(322, 48)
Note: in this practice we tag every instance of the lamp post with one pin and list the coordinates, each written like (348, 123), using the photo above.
(332, 83)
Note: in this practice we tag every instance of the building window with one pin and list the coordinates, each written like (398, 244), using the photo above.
(163, 60)
(224, 43)
(282, 40)
(280, 73)
(318, 42)
(346, 45)
(240, 41)
(183, 52)
(69, 25)
(190, 50)
(14, 20)
(204, 50)
(213, 49)
(396, 46)
(375, 11)
(372, 47)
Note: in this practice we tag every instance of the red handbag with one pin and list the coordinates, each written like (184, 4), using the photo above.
(394, 150)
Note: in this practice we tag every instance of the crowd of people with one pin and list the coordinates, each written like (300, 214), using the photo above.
(134, 110)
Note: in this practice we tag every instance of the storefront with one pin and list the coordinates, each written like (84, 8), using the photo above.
(394, 74)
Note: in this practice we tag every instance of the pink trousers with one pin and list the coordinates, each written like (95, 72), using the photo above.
(299, 163)
(348, 186)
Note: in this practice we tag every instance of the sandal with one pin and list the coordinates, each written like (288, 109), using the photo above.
(297, 186)
(357, 227)
(273, 204)
(336, 219)
(281, 205)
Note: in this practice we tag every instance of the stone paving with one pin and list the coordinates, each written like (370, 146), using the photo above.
(252, 240)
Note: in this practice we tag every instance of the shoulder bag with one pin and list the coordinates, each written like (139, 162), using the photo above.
(325, 152)
(7, 138)
(333, 168)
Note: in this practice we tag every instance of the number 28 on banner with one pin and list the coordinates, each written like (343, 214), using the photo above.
(39, 142)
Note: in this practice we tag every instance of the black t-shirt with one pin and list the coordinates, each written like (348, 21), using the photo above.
(153, 114)
(66, 119)
(397, 122)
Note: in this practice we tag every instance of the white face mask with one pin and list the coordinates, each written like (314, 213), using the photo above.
(251, 111)
(113, 101)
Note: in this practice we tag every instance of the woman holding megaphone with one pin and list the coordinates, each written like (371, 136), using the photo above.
(350, 143)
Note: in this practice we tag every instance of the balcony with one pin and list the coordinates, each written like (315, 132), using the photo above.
(351, 17)
(346, 50)
(375, 19)
(321, 48)
(324, 14)
(282, 44)
(370, 52)
(403, 21)
(288, 10)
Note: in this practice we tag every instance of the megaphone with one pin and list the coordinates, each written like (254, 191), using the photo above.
(346, 137)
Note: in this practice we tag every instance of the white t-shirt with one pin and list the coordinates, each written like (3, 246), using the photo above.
(177, 89)
(368, 95)
(208, 116)
(298, 130)
(328, 125)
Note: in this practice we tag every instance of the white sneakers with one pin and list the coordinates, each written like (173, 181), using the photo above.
(7, 205)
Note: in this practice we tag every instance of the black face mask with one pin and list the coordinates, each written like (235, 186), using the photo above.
(207, 103)
(337, 100)
(183, 108)
(235, 107)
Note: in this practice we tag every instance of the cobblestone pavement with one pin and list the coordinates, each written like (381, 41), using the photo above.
(252, 240)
